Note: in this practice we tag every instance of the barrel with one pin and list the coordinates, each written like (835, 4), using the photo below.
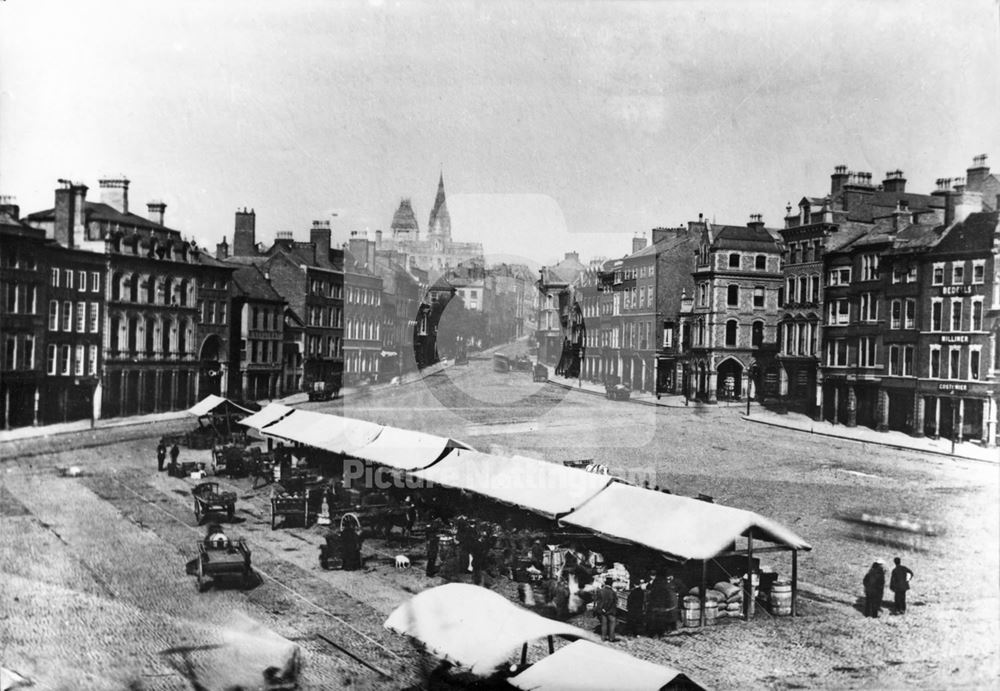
(781, 599)
(691, 612)
(711, 612)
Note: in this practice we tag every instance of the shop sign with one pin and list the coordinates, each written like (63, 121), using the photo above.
(963, 289)
(955, 338)
(953, 387)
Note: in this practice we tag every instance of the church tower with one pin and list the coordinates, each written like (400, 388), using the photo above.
(439, 224)
(404, 223)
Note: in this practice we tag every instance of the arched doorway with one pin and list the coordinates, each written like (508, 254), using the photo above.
(730, 380)
(210, 367)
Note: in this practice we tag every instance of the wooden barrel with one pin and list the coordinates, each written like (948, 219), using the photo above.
(711, 612)
(781, 599)
(691, 612)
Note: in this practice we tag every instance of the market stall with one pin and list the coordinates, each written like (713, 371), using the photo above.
(270, 414)
(475, 628)
(405, 449)
(216, 419)
(332, 433)
(586, 666)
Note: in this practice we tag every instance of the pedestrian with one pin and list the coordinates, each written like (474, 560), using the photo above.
(161, 455)
(874, 583)
(606, 610)
(560, 599)
(174, 453)
(899, 583)
(537, 554)
(658, 605)
(433, 543)
(350, 548)
(636, 606)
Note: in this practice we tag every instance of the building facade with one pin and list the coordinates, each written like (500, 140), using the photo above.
(257, 336)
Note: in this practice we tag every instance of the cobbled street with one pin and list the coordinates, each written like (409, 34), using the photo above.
(96, 594)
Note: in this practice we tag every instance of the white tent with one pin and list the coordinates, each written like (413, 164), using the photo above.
(586, 666)
(332, 433)
(211, 402)
(679, 526)
(473, 627)
(548, 489)
(271, 413)
(404, 449)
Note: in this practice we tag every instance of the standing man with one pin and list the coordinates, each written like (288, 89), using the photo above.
(174, 453)
(874, 582)
(433, 543)
(899, 583)
(606, 609)
(161, 455)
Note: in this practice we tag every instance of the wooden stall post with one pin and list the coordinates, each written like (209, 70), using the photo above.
(748, 588)
(552, 645)
(702, 590)
(524, 655)
(795, 578)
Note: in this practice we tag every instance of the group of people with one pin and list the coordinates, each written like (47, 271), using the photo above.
(161, 455)
(347, 543)
(874, 584)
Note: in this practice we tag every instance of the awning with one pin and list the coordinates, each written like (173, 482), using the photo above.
(548, 489)
(586, 666)
(213, 403)
(473, 627)
(271, 413)
(405, 449)
(682, 527)
(332, 433)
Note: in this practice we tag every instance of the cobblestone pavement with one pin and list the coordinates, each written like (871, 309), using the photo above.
(95, 586)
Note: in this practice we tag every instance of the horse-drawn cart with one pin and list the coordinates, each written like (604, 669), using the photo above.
(223, 558)
(208, 499)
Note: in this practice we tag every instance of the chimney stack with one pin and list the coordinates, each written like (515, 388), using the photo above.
(638, 243)
(977, 174)
(901, 217)
(756, 222)
(114, 193)
(838, 180)
(894, 181)
(222, 250)
(156, 210)
(244, 234)
(378, 238)
(319, 236)
(8, 205)
(69, 228)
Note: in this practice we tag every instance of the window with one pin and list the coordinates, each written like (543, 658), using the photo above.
(65, 356)
(908, 361)
(867, 352)
(50, 359)
(911, 274)
(803, 288)
(92, 361)
(54, 278)
(668, 335)
(937, 277)
(956, 314)
(813, 288)
(81, 317)
(895, 314)
(898, 274)
(28, 353)
(733, 296)
(760, 262)
(954, 355)
(10, 353)
(732, 330)
(67, 317)
(790, 291)
(734, 260)
(909, 319)
(78, 362)
(757, 333)
(974, 363)
(937, 309)
(793, 253)
(95, 282)
(838, 312)
(894, 362)
(977, 315)
(869, 307)
(81, 281)
(839, 277)
(978, 271)
(68, 278)
(758, 296)
(703, 294)
(935, 362)
(837, 353)
(869, 267)
(93, 314)
(958, 272)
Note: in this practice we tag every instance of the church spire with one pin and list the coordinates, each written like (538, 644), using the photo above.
(440, 221)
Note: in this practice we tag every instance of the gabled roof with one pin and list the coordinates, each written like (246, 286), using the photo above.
(743, 238)
(249, 282)
(99, 211)
(975, 234)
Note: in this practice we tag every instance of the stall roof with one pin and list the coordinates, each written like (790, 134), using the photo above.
(473, 627)
(332, 433)
(678, 526)
(211, 403)
(586, 666)
(271, 413)
(545, 488)
(405, 449)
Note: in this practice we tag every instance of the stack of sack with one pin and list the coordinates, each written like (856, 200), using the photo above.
(732, 605)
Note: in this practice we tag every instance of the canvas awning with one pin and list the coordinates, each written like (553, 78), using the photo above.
(405, 449)
(548, 489)
(586, 666)
(473, 627)
(216, 404)
(332, 433)
(271, 413)
(681, 527)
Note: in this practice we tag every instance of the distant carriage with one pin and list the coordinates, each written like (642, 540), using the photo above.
(223, 559)
(501, 363)
(208, 499)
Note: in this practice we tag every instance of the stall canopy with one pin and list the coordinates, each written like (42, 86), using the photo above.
(473, 627)
(678, 526)
(405, 449)
(585, 666)
(548, 489)
(271, 413)
(217, 405)
(332, 433)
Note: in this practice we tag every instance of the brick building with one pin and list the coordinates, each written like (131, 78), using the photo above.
(257, 336)
(363, 315)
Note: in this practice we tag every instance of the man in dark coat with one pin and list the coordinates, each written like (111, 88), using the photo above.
(174, 453)
(606, 609)
(433, 536)
(874, 583)
(350, 548)
(636, 605)
(161, 455)
(899, 583)
(658, 605)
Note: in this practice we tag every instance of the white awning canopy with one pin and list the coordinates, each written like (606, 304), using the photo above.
(211, 403)
(548, 489)
(271, 413)
(473, 627)
(586, 666)
(682, 527)
(332, 433)
(404, 449)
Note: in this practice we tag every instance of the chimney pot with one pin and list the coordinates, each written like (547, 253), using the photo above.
(114, 193)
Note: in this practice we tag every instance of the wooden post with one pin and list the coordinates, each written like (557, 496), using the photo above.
(524, 654)
(552, 645)
(748, 588)
(795, 578)
(702, 589)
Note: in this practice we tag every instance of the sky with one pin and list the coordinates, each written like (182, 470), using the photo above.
(558, 126)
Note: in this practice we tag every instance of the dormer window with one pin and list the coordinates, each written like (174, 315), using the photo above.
(734, 260)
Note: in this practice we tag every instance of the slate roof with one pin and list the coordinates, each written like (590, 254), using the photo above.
(975, 234)
(743, 238)
(99, 211)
